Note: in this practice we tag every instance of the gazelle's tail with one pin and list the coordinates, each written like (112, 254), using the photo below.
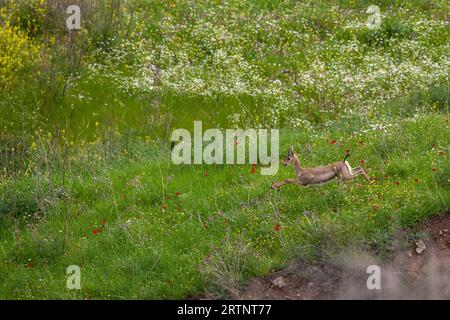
(346, 156)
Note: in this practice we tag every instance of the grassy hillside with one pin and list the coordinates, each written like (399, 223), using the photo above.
(85, 118)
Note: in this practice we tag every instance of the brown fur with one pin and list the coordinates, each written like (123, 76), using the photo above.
(318, 175)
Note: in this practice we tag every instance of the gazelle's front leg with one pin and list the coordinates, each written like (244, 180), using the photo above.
(277, 185)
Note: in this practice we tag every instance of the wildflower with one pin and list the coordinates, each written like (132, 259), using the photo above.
(252, 170)
(206, 173)
(103, 221)
(164, 206)
(96, 231)
(333, 142)
(277, 227)
(397, 183)
(30, 264)
(178, 193)
(363, 161)
(167, 196)
(416, 180)
(434, 169)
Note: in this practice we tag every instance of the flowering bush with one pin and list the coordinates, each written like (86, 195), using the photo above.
(17, 52)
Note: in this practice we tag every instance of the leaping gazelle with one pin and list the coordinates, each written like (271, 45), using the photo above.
(319, 175)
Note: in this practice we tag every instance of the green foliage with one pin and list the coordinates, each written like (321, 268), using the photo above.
(86, 176)
(392, 28)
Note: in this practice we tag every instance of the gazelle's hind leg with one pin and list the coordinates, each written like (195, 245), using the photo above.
(358, 170)
(349, 173)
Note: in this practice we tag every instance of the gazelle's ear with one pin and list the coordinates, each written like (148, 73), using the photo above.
(291, 149)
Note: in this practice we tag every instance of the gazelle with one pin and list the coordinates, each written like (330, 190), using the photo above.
(319, 175)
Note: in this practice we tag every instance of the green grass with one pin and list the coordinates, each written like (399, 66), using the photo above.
(146, 251)
(86, 177)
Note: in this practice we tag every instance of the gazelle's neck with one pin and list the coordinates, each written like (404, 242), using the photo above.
(297, 167)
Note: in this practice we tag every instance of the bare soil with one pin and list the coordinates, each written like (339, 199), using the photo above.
(418, 272)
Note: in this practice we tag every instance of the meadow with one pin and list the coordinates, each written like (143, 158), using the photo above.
(86, 116)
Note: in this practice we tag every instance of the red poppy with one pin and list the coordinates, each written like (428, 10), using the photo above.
(397, 183)
(333, 142)
(178, 193)
(254, 165)
(164, 206)
(167, 196)
(206, 173)
(434, 169)
(363, 161)
(252, 170)
(30, 264)
(103, 221)
(277, 227)
(97, 230)
(376, 207)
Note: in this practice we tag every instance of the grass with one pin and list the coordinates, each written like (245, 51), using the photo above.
(86, 177)
(163, 222)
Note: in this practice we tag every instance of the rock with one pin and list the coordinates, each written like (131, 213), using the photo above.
(279, 282)
(420, 246)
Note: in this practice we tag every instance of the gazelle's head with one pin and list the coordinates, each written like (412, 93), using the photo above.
(289, 157)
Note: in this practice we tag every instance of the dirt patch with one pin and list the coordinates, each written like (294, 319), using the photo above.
(420, 272)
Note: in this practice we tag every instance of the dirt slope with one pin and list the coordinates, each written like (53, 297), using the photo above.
(420, 272)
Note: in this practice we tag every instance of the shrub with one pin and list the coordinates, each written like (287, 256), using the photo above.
(17, 51)
(391, 28)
